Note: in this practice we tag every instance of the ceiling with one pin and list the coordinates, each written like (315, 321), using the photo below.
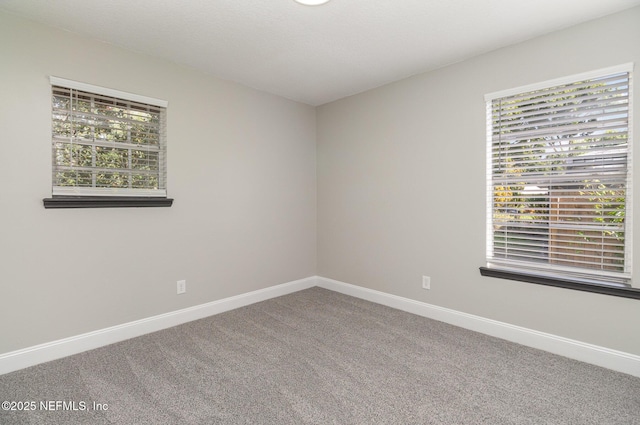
(313, 54)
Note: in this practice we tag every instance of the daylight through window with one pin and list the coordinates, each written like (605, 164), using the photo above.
(559, 179)
(106, 143)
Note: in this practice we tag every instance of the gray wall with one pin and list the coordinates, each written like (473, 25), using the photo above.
(241, 170)
(401, 186)
(400, 191)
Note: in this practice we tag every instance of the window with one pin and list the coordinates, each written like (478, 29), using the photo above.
(559, 181)
(108, 147)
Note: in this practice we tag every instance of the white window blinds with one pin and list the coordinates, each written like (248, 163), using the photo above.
(559, 178)
(107, 142)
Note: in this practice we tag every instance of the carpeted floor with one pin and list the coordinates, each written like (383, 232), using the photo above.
(319, 357)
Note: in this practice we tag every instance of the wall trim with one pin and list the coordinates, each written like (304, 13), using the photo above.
(577, 350)
(53, 350)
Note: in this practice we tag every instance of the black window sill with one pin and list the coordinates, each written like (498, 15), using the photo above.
(105, 202)
(562, 283)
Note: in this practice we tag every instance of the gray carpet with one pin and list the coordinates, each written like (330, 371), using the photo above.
(319, 357)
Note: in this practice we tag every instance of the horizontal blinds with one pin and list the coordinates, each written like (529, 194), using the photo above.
(107, 146)
(559, 190)
(90, 88)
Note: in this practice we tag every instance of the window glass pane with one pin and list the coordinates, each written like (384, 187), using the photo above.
(559, 176)
(94, 134)
(117, 180)
(73, 178)
(144, 160)
(144, 181)
(112, 157)
(70, 155)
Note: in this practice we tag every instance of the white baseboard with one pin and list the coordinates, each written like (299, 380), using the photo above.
(600, 356)
(37, 354)
(588, 353)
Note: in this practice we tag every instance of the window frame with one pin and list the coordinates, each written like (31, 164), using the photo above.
(105, 197)
(557, 278)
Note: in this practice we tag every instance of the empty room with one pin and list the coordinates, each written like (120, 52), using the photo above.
(313, 212)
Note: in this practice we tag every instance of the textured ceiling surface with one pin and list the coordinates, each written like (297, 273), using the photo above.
(313, 54)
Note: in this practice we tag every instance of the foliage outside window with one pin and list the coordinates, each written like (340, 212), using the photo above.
(559, 179)
(106, 143)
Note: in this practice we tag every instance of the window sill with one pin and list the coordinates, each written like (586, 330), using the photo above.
(105, 202)
(562, 283)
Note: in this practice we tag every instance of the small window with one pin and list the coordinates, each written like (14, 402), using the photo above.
(106, 144)
(559, 179)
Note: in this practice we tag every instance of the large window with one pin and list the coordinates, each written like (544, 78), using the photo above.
(559, 179)
(106, 143)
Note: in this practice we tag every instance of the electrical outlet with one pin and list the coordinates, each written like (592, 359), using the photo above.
(182, 286)
(426, 282)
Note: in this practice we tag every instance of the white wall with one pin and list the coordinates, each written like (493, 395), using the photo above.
(401, 186)
(241, 170)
